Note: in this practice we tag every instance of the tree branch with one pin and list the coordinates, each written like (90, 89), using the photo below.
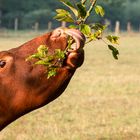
(90, 9)
(84, 1)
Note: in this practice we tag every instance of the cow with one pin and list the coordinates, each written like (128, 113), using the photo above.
(25, 87)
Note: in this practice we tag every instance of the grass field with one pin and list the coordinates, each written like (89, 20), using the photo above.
(102, 101)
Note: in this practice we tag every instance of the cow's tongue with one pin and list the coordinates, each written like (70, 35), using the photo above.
(76, 35)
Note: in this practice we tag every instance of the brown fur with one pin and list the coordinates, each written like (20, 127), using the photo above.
(24, 87)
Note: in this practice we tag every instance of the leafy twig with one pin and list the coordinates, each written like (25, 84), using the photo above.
(90, 10)
(84, 1)
(77, 16)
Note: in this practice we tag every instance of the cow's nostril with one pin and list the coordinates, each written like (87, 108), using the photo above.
(2, 63)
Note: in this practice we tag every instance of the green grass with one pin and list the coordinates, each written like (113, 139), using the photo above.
(102, 101)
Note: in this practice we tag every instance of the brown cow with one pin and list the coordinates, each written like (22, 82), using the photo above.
(24, 87)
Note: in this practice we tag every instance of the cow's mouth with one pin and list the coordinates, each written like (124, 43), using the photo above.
(74, 34)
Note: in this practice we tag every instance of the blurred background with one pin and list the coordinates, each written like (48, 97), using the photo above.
(102, 101)
(15, 14)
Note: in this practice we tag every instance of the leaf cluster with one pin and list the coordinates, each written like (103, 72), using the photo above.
(77, 16)
(51, 61)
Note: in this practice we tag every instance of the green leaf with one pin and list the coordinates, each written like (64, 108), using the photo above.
(73, 26)
(98, 26)
(63, 15)
(51, 61)
(92, 37)
(49, 58)
(99, 10)
(98, 34)
(81, 10)
(42, 48)
(65, 18)
(70, 6)
(51, 72)
(59, 54)
(42, 62)
(83, 1)
(42, 51)
(85, 29)
(113, 39)
(36, 55)
(115, 52)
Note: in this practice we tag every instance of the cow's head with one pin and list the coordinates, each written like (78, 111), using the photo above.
(24, 87)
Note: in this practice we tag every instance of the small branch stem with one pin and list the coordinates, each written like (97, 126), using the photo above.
(104, 41)
(90, 9)
(84, 1)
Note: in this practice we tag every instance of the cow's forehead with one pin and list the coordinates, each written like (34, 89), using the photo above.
(6, 58)
(5, 54)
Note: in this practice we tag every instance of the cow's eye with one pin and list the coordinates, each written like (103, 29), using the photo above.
(2, 63)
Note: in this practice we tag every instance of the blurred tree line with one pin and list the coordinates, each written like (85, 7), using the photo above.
(42, 11)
